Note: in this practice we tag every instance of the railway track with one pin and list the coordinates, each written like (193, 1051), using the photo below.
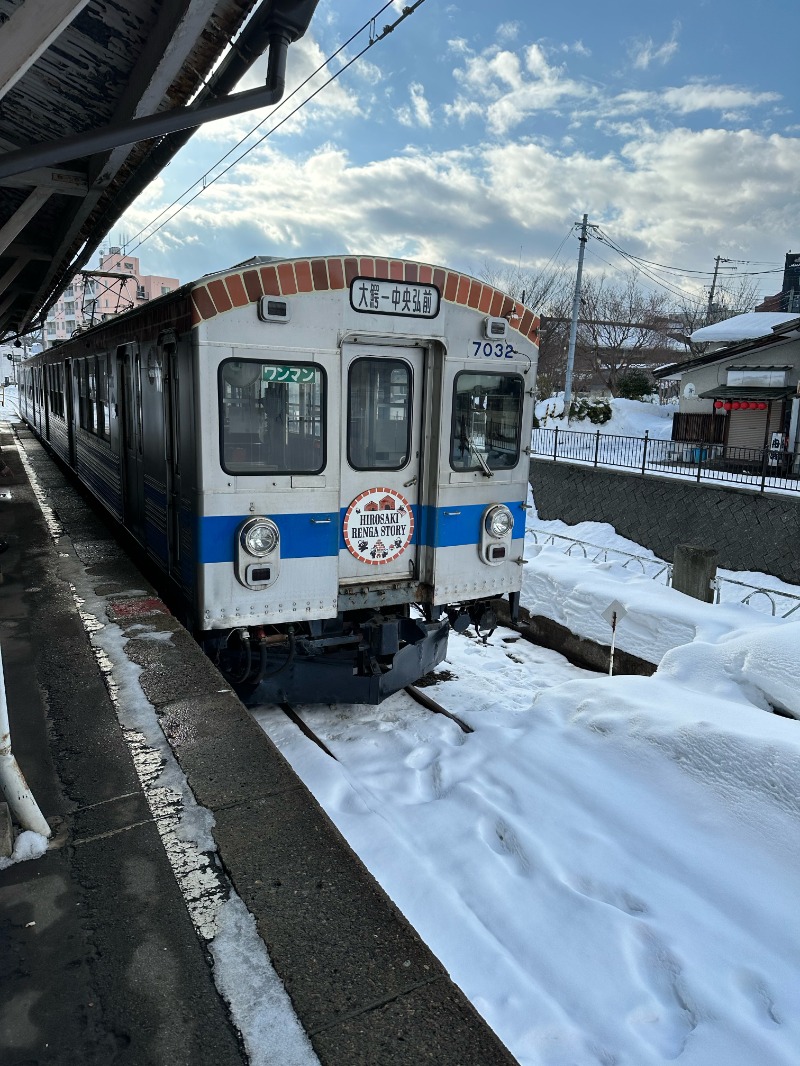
(412, 690)
(518, 632)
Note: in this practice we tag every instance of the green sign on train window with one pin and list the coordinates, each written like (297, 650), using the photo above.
(299, 374)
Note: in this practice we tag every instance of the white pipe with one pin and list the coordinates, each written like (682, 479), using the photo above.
(18, 796)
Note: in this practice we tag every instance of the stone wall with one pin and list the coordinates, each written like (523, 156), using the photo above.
(750, 531)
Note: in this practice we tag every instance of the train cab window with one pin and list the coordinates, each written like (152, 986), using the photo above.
(379, 414)
(487, 418)
(272, 417)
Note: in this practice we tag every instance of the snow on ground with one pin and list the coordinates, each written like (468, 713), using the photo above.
(606, 866)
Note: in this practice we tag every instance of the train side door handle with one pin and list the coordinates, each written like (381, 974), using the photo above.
(320, 521)
(413, 481)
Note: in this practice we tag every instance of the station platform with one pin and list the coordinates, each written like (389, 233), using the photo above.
(168, 805)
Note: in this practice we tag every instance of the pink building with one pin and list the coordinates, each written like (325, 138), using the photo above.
(116, 286)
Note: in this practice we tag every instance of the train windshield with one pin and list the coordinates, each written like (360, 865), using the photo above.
(487, 416)
(272, 417)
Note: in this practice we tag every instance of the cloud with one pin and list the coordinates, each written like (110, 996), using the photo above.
(643, 53)
(517, 148)
(508, 31)
(685, 195)
(418, 112)
(508, 87)
(689, 98)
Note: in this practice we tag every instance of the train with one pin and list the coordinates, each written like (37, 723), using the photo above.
(326, 459)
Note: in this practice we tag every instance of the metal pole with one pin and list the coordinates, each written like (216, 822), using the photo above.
(146, 127)
(718, 259)
(573, 325)
(12, 783)
(613, 642)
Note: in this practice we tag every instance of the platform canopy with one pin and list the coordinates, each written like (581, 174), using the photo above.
(96, 97)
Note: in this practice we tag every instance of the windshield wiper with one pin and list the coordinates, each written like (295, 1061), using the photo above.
(479, 456)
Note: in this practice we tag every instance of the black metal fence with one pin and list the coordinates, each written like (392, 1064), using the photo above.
(756, 468)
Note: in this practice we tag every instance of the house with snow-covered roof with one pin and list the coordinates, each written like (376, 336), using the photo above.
(744, 391)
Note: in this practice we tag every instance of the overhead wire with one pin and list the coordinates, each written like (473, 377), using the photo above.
(720, 276)
(683, 272)
(604, 239)
(557, 252)
(368, 25)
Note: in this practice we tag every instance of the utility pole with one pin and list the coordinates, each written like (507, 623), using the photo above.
(717, 262)
(573, 326)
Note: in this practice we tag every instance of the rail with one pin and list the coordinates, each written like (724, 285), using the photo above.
(759, 469)
(782, 604)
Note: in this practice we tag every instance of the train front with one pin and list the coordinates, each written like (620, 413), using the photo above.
(366, 469)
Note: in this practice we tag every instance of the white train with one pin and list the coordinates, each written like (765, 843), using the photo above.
(310, 449)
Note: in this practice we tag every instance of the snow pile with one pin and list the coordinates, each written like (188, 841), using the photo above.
(629, 418)
(757, 666)
(28, 845)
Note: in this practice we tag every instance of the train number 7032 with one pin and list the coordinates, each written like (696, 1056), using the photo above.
(492, 349)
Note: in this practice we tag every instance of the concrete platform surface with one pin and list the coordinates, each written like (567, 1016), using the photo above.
(107, 940)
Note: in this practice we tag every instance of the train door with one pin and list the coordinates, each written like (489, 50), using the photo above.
(69, 400)
(130, 400)
(47, 385)
(382, 390)
(173, 450)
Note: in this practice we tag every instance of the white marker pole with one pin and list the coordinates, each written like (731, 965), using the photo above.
(614, 613)
(18, 796)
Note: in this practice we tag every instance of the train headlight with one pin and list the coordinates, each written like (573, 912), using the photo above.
(499, 521)
(260, 537)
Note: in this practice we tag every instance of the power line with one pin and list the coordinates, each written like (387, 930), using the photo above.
(683, 272)
(674, 289)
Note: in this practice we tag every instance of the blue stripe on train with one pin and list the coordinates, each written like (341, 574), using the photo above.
(317, 535)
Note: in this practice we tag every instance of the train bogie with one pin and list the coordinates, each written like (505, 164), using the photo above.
(326, 459)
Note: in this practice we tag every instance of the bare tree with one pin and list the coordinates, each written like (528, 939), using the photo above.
(621, 326)
(537, 289)
(732, 296)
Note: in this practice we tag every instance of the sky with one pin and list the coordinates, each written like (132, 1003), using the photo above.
(607, 866)
(476, 135)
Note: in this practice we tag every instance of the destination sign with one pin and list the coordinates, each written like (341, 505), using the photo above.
(408, 299)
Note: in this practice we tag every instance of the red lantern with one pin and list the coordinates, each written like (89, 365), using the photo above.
(736, 405)
(747, 406)
(762, 407)
(718, 403)
(727, 405)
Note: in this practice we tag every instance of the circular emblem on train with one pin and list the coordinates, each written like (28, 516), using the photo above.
(378, 526)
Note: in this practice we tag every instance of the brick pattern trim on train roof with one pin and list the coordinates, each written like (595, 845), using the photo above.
(290, 277)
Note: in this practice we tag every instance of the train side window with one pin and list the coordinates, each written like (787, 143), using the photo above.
(56, 385)
(487, 418)
(272, 417)
(85, 381)
(379, 414)
(103, 374)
